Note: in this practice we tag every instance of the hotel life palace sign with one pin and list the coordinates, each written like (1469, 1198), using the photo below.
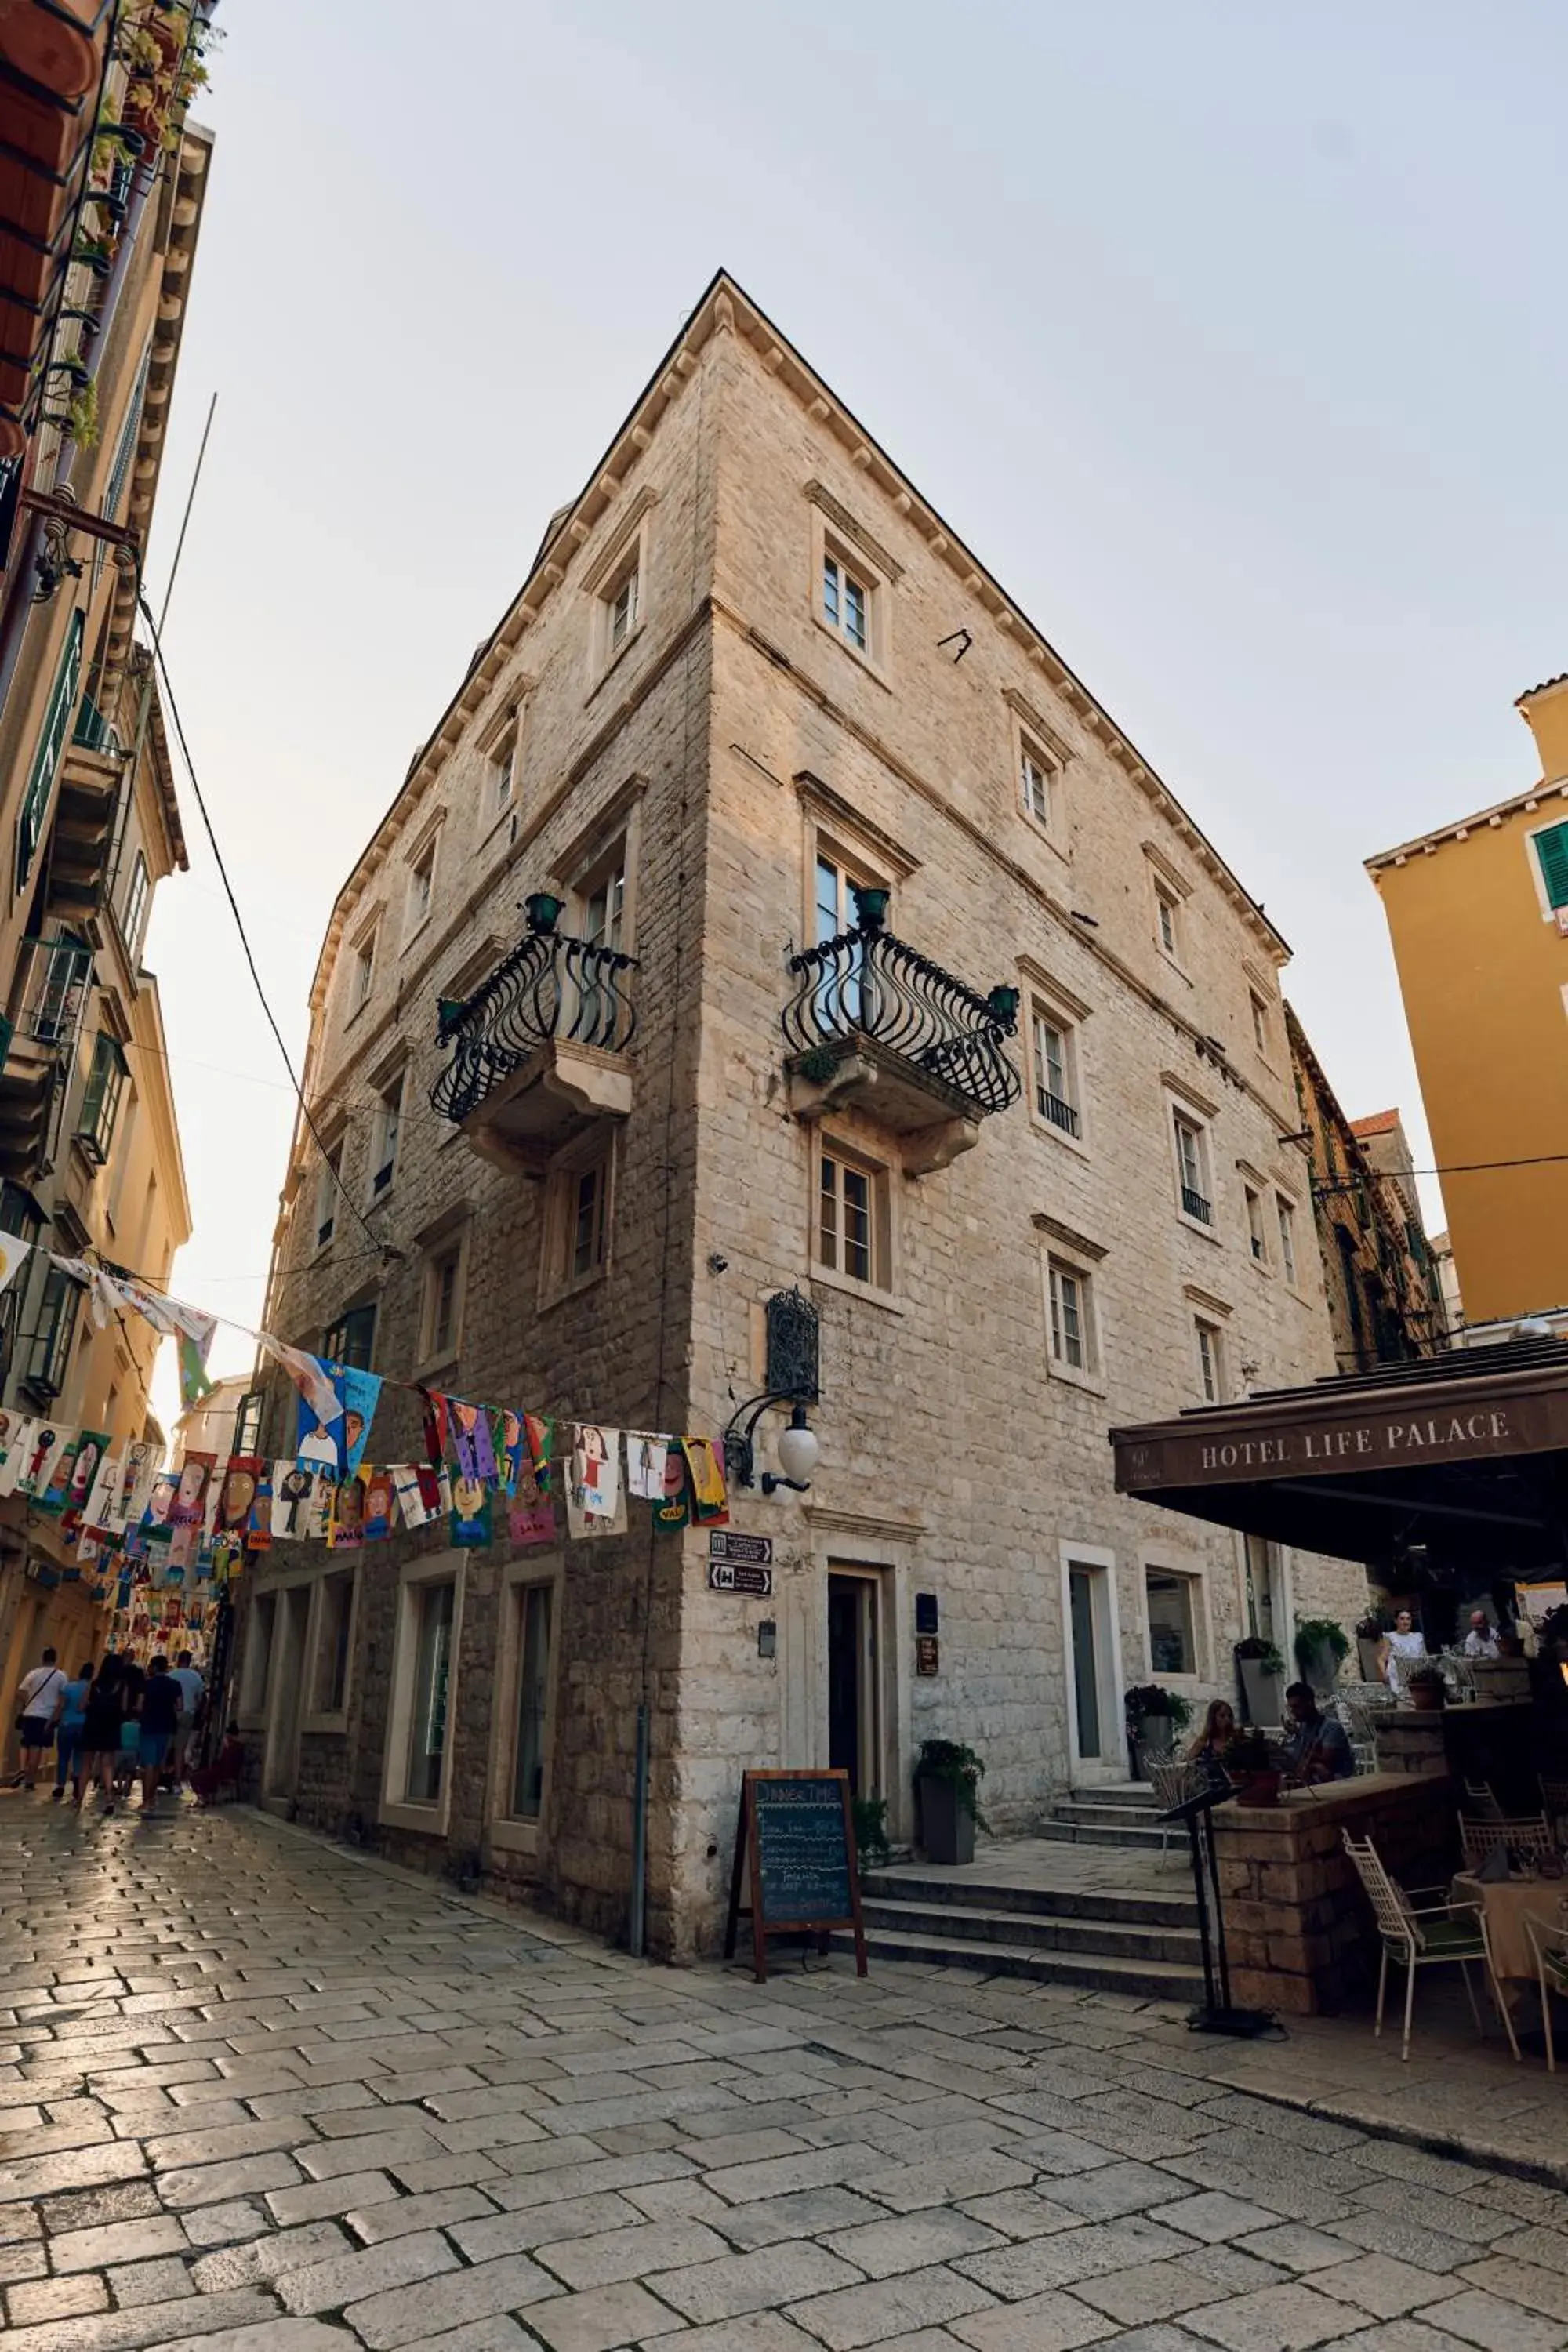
(1227, 1449)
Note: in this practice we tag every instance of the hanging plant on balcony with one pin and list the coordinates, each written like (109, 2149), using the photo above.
(82, 415)
(819, 1065)
(139, 53)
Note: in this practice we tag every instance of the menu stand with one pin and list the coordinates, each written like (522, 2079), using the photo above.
(1216, 2013)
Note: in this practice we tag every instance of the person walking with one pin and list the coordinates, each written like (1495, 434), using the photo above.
(162, 1703)
(193, 1692)
(69, 1724)
(103, 1723)
(38, 1701)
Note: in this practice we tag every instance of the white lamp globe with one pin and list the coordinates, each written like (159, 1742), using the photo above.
(799, 1450)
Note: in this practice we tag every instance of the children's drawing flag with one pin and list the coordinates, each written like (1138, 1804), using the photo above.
(19, 1436)
(707, 1501)
(292, 1490)
(12, 1257)
(50, 1494)
(408, 1488)
(646, 1456)
(470, 1520)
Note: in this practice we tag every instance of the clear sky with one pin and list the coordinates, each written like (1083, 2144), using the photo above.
(1229, 332)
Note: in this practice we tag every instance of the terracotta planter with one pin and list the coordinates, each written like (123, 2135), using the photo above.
(1258, 1789)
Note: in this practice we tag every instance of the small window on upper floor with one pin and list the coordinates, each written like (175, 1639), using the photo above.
(1551, 857)
(421, 888)
(1193, 1185)
(1211, 1361)
(853, 1237)
(1070, 1294)
(577, 1203)
(384, 1133)
(362, 971)
(501, 767)
(133, 914)
(1055, 1069)
(846, 598)
(1257, 1238)
(1259, 1008)
(1168, 921)
(1036, 779)
(351, 1340)
(621, 604)
(1287, 1221)
(328, 1183)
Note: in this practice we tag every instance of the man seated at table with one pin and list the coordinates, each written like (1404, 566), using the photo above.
(1315, 1747)
(1480, 1641)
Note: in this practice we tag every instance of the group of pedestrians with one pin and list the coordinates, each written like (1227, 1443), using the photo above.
(113, 1725)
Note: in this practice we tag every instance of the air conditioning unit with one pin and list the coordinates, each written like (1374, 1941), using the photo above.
(1563, 922)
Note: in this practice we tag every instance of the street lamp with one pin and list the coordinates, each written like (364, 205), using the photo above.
(799, 1449)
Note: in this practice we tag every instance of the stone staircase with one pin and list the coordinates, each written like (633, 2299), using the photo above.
(1088, 1902)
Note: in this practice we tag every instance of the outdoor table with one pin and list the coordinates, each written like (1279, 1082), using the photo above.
(1506, 1903)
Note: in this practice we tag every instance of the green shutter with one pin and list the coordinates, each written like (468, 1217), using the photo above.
(46, 758)
(1552, 848)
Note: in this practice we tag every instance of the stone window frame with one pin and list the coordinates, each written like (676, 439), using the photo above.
(1168, 887)
(557, 1282)
(1185, 1107)
(449, 1567)
(501, 748)
(330, 1720)
(393, 1076)
(1289, 1257)
(1210, 1314)
(1262, 1002)
(835, 535)
(1165, 1560)
(835, 1144)
(505, 1832)
(1041, 992)
(1256, 1189)
(626, 555)
(362, 945)
(333, 1151)
(450, 1234)
(1031, 733)
(426, 845)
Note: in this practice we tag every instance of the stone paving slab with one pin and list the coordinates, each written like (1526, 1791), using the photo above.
(262, 2096)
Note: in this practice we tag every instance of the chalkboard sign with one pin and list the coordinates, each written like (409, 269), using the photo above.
(797, 1836)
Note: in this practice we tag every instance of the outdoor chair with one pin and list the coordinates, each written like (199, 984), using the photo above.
(1459, 1673)
(1532, 1837)
(1174, 1784)
(1417, 1938)
(1481, 1801)
(1549, 1942)
(1354, 1718)
(1554, 1805)
(1370, 1694)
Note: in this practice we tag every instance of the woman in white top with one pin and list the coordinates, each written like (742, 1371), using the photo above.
(1405, 1642)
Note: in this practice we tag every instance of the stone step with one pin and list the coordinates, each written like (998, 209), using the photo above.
(1096, 1825)
(1122, 1797)
(1175, 1907)
(1036, 1931)
(1103, 1972)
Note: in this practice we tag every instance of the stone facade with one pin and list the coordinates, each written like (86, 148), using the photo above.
(713, 738)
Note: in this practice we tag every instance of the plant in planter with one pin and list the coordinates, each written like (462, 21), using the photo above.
(1321, 1644)
(1254, 1777)
(1155, 1716)
(1262, 1672)
(947, 1782)
(1426, 1689)
(1369, 1633)
(870, 1818)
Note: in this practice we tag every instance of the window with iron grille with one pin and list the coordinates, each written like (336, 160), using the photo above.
(46, 757)
(1056, 1070)
(1192, 1169)
(101, 1103)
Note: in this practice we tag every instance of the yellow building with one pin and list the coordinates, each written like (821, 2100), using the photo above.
(1478, 915)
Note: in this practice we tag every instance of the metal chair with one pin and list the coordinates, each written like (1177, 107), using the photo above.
(1172, 1783)
(1549, 1942)
(1370, 1694)
(1420, 1938)
(1459, 1673)
(1481, 1801)
(1354, 1718)
(1524, 1837)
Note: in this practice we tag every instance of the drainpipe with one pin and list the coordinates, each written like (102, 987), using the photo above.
(19, 589)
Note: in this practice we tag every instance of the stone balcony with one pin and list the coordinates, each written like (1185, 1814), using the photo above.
(540, 1050)
(875, 1025)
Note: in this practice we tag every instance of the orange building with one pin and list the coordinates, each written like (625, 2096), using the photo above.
(1478, 915)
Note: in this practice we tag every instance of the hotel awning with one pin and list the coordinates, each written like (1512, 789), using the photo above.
(1466, 1455)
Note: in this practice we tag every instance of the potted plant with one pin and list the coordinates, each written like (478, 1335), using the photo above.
(1155, 1716)
(1426, 1689)
(870, 1818)
(1321, 1644)
(947, 1781)
(1369, 1633)
(1262, 1672)
(1254, 1777)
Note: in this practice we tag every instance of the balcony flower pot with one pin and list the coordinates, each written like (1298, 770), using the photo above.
(1426, 1692)
(1249, 1768)
(947, 1778)
(1262, 1672)
(1321, 1646)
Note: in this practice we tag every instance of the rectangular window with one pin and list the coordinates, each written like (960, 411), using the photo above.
(1056, 1074)
(535, 1603)
(846, 602)
(1211, 1361)
(1256, 1233)
(248, 1422)
(421, 886)
(46, 757)
(621, 607)
(434, 1607)
(46, 1350)
(504, 767)
(601, 901)
(383, 1137)
(362, 973)
(590, 1198)
(134, 912)
(352, 1339)
(439, 1336)
(1072, 1330)
(1192, 1169)
(333, 1624)
(328, 1178)
(1259, 1021)
(1551, 855)
(101, 1103)
(577, 1222)
(1034, 782)
(852, 1220)
(1173, 1622)
(1168, 915)
(1287, 1239)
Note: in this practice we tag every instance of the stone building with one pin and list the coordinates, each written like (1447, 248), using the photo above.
(1382, 1278)
(773, 758)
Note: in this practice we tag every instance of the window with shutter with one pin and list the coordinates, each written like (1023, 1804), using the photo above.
(46, 758)
(101, 1103)
(1551, 851)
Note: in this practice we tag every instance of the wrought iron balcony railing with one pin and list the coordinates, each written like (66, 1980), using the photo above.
(551, 987)
(867, 984)
(1059, 1112)
(1197, 1206)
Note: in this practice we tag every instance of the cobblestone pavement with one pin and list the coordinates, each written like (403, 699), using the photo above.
(261, 2095)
